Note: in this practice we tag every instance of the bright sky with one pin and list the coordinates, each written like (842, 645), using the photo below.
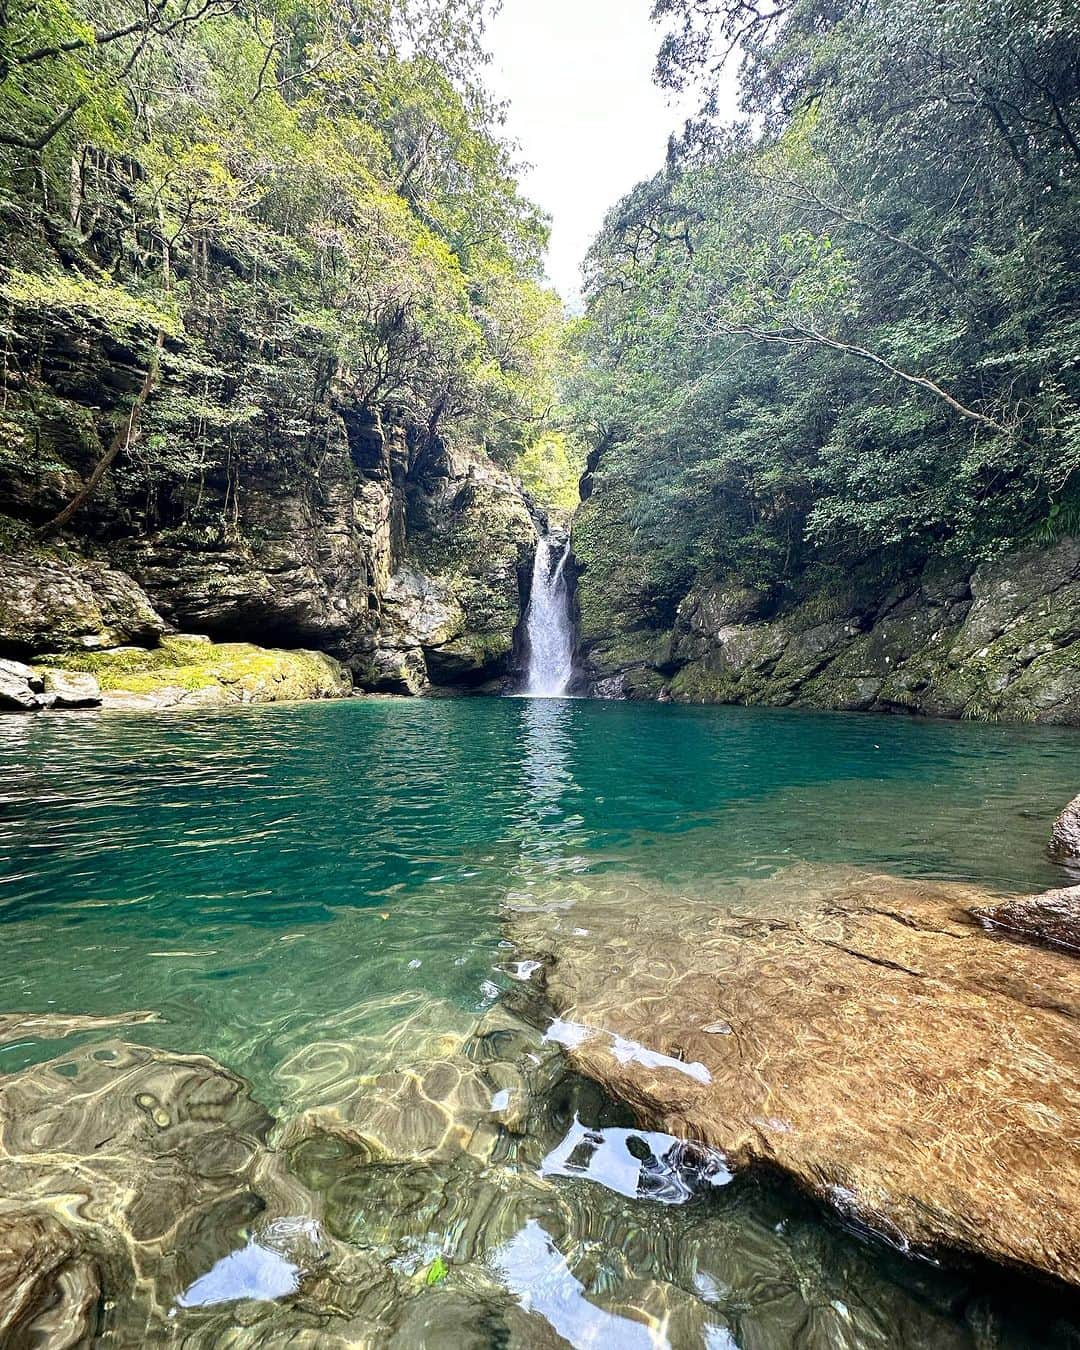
(578, 75)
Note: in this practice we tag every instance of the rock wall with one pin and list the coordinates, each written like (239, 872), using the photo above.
(1001, 642)
(338, 535)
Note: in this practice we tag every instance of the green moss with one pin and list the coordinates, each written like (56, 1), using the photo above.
(253, 674)
(696, 683)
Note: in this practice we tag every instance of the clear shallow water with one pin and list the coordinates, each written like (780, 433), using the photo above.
(277, 879)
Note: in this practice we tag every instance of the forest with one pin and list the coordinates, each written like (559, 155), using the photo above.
(839, 336)
(394, 952)
(262, 209)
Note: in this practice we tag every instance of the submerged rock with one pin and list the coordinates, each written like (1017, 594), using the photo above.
(145, 1156)
(57, 1026)
(130, 1177)
(863, 1034)
(49, 1286)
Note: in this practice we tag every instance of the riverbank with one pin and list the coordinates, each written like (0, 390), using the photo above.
(997, 643)
(182, 671)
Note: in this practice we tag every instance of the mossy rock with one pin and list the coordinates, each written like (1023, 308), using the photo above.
(188, 669)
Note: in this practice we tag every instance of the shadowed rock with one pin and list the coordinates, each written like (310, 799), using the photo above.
(22, 689)
(47, 604)
(862, 1033)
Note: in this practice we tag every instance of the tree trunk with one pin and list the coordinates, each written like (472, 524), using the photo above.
(126, 434)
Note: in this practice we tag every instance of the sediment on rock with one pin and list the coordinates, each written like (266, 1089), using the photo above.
(864, 1034)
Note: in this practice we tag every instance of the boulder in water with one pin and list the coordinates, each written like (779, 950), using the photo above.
(1052, 918)
(21, 688)
(864, 1034)
(1065, 837)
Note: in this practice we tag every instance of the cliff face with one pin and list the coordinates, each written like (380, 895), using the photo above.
(999, 642)
(319, 527)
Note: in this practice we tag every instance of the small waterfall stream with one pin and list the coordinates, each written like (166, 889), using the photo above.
(549, 627)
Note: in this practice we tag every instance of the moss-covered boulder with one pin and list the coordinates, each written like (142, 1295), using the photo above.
(192, 671)
(50, 602)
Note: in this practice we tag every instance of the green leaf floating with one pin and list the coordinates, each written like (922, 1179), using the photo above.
(437, 1271)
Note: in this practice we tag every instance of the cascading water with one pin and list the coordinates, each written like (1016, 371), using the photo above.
(549, 628)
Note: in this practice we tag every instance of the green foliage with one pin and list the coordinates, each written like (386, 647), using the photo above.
(310, 199)
(436, 1272)
(549, 471)
(843, 330)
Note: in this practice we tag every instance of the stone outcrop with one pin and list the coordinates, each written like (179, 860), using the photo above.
(71, 688)
(182, 671)
(1000, 643)
(26, 688)
(866, 1035)
(1052, 918)
(1065, 836)
(191, 671)
(408, 567)
(22, 689)
(53, 603)
(449, 611)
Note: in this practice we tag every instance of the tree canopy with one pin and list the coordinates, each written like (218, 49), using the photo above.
(845, 329)
(299, 200)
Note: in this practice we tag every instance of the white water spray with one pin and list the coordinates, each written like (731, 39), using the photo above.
(548, 626)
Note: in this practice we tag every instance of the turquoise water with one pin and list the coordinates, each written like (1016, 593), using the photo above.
(269, 879)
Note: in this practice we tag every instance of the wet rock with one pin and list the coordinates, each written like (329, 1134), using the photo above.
(48, 604)
(420, 615)
(863, 1034)
(1065, 837)
(1052, 918)
(21, 688)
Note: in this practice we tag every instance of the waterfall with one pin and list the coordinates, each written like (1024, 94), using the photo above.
(549, 629)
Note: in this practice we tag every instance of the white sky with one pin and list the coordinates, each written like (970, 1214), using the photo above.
(578, 75)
